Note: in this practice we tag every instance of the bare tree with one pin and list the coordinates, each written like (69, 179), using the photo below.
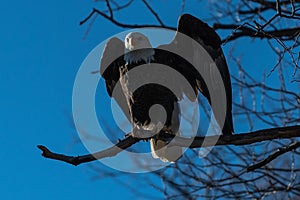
(250, 165)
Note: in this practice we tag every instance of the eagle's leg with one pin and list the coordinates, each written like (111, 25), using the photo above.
(161, 150)
(164, 130)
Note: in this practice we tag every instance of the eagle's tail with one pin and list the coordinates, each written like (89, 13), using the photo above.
(159, 149)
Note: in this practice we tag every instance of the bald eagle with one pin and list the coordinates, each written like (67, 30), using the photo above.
(135, 51)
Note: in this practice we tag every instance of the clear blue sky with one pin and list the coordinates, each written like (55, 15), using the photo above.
(41, 50)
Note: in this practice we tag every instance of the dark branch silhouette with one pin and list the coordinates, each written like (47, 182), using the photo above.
(195, 142)
(246, 31)
(273, 156)
(123, 25)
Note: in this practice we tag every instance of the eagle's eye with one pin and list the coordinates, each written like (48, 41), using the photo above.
(127, 39)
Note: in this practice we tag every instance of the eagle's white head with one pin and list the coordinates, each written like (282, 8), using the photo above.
(135, 41)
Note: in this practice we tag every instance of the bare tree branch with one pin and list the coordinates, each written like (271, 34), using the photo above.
(153, 12)
(243, 31)
(76, 160)
(195, 142)
(278, 153)
(114, 21)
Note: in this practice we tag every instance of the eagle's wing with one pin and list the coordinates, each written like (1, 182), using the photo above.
(111, 61)
(112, 58)
(205, 36)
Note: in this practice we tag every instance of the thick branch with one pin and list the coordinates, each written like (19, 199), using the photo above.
(196, 142)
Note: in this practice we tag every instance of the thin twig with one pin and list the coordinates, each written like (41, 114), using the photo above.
(96, 11)
(109, 8)
(278, 153)
(153, 12)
